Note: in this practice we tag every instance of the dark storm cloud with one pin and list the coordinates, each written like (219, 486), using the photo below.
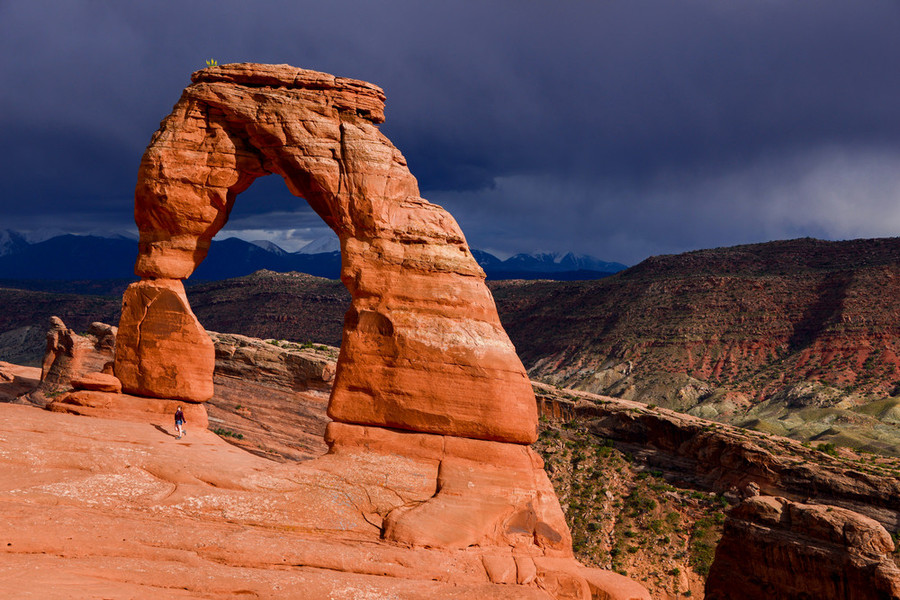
(616, 128)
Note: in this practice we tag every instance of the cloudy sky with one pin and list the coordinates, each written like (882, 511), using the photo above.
(617, 128)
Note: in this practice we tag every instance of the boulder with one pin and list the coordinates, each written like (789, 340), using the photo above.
(70, 355)
(782, 550)
(97, 382)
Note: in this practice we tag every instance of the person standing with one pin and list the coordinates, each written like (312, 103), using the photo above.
(179, 423)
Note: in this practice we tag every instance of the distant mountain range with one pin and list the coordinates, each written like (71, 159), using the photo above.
(81, 257)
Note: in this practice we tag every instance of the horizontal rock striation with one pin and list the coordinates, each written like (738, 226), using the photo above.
(797, 338)
(279, 364)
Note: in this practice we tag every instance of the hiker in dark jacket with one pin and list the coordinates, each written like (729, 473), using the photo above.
(179, 423)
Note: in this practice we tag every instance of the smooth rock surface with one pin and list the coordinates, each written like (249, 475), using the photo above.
(99, 508)
(16, 380)
(470, 492)
(98, 382)
(124, 407)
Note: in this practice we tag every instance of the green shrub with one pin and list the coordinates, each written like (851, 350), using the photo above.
(228, 433)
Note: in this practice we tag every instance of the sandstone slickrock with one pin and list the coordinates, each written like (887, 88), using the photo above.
(781, 550)
(162, 351)
(88, 508)
(124, 407)
(423, 348)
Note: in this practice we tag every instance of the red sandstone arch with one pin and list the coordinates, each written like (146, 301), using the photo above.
(423, 348)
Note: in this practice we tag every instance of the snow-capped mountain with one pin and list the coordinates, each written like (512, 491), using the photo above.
(270, 247)
(321, 245)
(552, 262)
(11, 242)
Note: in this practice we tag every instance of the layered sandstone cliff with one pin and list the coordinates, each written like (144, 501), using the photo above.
(782, 550)
(795, 338)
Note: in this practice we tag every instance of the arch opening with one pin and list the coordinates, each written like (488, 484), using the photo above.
(268, 212)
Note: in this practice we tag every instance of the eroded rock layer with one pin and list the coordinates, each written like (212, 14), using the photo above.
(423, 348)
(783, 550)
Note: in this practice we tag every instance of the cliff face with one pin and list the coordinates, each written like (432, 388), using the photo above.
(782, 550)
(709, 456)
(795, 338)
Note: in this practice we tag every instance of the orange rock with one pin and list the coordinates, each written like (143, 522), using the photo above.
(16, 380)
(98, 382)
(124, 407)
(462, 492)
(775, 548)
(612, 586)
(423, 346)
(290, 367)
(432, 408)
(161, 349)
(89, 504)
(69, 355)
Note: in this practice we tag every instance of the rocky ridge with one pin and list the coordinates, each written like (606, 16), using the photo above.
(795, 338)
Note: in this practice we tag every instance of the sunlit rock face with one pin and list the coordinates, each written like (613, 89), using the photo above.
(423, 349)
(162, 351)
